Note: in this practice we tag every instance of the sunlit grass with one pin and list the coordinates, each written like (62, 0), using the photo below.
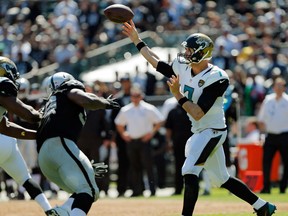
(220, 195)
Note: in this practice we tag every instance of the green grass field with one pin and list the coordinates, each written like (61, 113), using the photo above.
(219, 203)
(222, 201)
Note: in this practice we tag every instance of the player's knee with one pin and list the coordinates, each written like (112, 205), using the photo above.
(97, 194)
(91, 191)
(190, 180)
(219, 180)
(83, 201)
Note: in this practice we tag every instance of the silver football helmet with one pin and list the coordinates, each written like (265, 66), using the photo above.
(58, 79)
(24, 87)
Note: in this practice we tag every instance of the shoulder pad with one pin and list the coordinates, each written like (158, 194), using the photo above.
(71, 84)
(7, 87)
(215, 75)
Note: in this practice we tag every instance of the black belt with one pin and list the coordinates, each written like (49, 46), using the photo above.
(139, 139)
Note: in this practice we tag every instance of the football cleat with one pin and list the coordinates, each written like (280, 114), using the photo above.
(267, 210)
(57, 211)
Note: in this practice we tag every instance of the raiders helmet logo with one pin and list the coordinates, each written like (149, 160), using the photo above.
(201, 83)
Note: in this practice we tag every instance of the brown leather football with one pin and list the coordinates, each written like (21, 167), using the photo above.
(118, 13)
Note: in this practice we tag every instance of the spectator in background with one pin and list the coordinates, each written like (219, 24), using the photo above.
(23, 45)
(24, 66)
(178, 130)
(39, 50)
(254, 93)
(276, 64)
(221, 58)
(137, 123)
(158, 145)
(168, 105)
(63, 54)
(273, 117)
(252, 132)
(80, 63)
(6, 39)
(231, 110)
(67, 20)
(150, 82)
(70, 6)
(139, 78)
(227, 42)
(123, 98)
(94, 20)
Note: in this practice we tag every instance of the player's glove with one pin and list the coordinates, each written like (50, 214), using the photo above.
(100, 169)
(111, 103)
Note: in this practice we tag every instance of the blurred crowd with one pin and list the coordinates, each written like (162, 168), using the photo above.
(250, 39)
(39, 33)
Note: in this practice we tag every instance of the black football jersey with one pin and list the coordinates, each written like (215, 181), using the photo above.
(62, 117)
(7, 89)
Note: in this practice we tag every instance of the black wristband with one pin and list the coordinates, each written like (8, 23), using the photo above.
(140, 45)
(182, 100)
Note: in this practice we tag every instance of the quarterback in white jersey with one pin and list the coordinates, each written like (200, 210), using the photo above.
(193, 90)
(199, 88)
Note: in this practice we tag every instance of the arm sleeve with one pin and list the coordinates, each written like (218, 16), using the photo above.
(8, 88)
(71, 85)
(165, 69)
(211, 93)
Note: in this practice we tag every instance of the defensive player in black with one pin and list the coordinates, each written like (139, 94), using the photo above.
(60, 160)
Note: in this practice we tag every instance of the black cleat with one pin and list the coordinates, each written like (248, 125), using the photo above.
(267, 210)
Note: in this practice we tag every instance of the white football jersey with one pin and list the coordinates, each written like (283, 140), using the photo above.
(192, 87)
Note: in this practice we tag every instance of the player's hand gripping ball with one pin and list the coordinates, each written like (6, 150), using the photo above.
(118, 13)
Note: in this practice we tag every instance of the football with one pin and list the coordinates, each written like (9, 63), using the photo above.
(118, 13)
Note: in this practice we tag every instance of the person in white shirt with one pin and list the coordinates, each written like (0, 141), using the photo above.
(137, 123)
(252, 132)
(273, 117)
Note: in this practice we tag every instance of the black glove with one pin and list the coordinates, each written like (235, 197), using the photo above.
(111, 103)
(100, 169)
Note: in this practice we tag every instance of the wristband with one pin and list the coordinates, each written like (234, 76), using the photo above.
(140, 45)
(182, 100)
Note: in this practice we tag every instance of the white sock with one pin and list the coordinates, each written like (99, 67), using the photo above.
(77, 212)
(259, 203)
(43, 202)
(36, 178)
